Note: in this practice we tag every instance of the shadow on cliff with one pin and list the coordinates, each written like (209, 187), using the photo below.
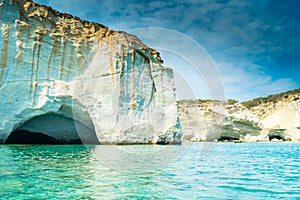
(27, 137)
(52, 128)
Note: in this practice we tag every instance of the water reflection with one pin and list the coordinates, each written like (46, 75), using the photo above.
(262, 170)
(138, 158)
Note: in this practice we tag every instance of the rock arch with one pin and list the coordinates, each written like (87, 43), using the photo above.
(52, 58)
(278, 134)
(69, 124)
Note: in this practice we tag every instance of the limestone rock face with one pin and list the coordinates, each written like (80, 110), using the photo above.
(239, 122)
(217, 121)
(271, 121)
(63, 74)
(283, 121)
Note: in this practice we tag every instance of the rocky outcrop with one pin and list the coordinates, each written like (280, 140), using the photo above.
(64, 74)
(282, 119)
(269, 121)
(217, 121)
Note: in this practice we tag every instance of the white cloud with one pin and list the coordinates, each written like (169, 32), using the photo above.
(244, 84)
(241, 80)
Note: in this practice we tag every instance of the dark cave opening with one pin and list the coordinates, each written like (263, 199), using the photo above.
(52, 128)
(278, 137)
(27, 137)
(227, 138)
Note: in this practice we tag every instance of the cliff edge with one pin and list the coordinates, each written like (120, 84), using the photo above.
(72, 79)
(272, 118)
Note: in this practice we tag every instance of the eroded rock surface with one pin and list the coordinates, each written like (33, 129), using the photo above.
(227, 121)
(107, 81)
(217, 121)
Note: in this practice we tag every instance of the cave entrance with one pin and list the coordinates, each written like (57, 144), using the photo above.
(27, 137)
(227, 138)
(276, 134)
(53, 129)
(278, 137)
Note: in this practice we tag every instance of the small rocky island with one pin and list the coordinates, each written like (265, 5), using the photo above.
(72, 80)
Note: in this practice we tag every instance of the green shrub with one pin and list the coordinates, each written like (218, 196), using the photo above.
(271, 98)
(232, 101)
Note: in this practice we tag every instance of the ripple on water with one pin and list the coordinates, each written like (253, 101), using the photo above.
(229, 171)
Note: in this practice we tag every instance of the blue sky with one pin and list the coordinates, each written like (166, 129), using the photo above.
(255, 45)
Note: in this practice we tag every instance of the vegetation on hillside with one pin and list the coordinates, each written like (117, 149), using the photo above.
(249, 104)
(201, 101)
(271, 98)
(197, 101)
(232, 101)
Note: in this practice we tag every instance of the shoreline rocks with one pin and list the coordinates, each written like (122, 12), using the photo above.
(269, 121)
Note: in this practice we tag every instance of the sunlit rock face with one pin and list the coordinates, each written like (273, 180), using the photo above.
(217, 121)
(55, 65)
(223, 121)
(282, 121)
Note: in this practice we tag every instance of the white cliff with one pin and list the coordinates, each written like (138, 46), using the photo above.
(281, 119)
(59, 73)
(213, 120)
(276, 117)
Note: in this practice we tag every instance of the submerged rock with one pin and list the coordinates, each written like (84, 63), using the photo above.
(107, 81)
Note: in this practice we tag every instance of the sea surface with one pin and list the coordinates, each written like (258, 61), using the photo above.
(188, 171)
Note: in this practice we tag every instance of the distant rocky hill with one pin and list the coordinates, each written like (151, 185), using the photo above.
(276, 117)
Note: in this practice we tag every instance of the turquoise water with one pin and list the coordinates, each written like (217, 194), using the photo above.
(228, 171)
